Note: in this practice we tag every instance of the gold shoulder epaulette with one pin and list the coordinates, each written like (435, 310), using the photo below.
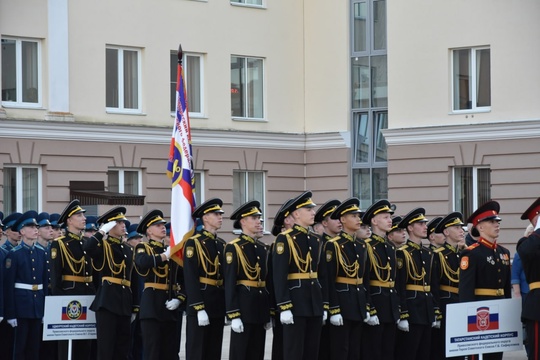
(195, 236)
(438, 250)
(288, 231)
(235, 241)
(403, 247)
(334, 239)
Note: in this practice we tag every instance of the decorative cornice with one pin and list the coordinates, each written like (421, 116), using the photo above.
(59, 131)
(508, 130)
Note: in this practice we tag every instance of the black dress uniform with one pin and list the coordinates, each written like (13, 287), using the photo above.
(528, 249)
(378, 340)
(295, 261)
(113, 302)
(418, 305)
(246, 296)
(163, 281)
(71, 274)
(137, 287)
(485, 266)
(26, 281)
(446, 259)
(347, 261)
(203, 277)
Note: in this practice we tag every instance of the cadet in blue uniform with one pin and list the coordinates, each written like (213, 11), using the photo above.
(246, 297)
(379, 338)
(25, 288)
(113, 260)
(12, 237)
(203, 276)
(163, 290)
(485, 265)
(71, 269)
(347, 262)
(529, 251)
(298, 292)
(415, 281)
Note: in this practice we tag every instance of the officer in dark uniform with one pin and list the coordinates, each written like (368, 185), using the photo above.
(415, 281)
(447, 259)
(113, 260)
(203, 276)
(26, 280)
(485, 265)
(163, 290)
(332, 228)
(137, 286)
(298, 292)
(12, 237)
(347, 262)
(246, 297)
(379, 338)
(528, 249)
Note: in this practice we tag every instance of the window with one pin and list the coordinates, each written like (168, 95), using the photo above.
(471, 72)
(21, 72)
(123, 84)
(22, 188)
(193, 70)
(369, 82)
(247, 186)
(247, 84)
(199, 187)
(125, 181)
(472, 188)
(247, 2)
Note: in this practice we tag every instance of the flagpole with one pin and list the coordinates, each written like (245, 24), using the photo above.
(180, 54)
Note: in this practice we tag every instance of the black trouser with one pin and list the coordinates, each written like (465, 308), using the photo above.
(277, 340)
(324, 342)
(301, 339)
(112, 335)
(438, 343)
(81, 349)
(136, 349)
(204, 342)
(345, 340)
(533, 339)
(379, 341)
(159, 339)
(414, 344)
(27, 339)
(7, 337)
(249, 344)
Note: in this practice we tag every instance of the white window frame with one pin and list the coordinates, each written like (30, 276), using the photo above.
(246, 191)
(18, 74)
(248, 118)
(243, 3)
(121, 179)
(475, 180)
(19, 206)
(120, 59)
(473, 82)
(193, 114)
(199, 187)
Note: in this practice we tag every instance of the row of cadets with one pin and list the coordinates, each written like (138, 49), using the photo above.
(163, 290)
(347, 262)
(246, 297)
(25, 287)
(416, 282)
(298, 291)
(203, 276)
(6, 330)
(378, 341)
(71, 269)
(113, 260)
(330, 228)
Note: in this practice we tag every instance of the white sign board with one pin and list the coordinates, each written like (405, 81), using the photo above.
(481, 327)
(69, 317)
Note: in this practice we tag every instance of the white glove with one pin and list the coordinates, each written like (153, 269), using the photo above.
(1, 318)
(403, 325)
(436, 324)
(167, 252)
(336, 320)
(373, 320)
(324, 316)
(172, 304)
(107, 226)
(367, 317)
(286, 317)
(12, 322)
(202, 318)
(237, 326)
(537, 223)
(268, 325)
(133, 317)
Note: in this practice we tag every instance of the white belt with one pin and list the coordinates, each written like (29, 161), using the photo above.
(34, 287)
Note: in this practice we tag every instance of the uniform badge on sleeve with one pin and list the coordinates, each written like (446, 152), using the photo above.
(280, 248)
(464, 265)
(228, 257)
(189, 251)
(328, 255)
(8, 263)
(53, 253)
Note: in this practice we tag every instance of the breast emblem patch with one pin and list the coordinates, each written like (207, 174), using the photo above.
(464, 265)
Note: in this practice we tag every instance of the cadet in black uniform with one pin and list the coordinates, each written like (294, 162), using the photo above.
(163, 290)
(347, 262)
(71, 269)
(529, 252)
(26, 281)
(113, 260)
(137, 286)
(203, 276)
(379, 338)
(246, 297)
(485, 265)
(436, 240)
(447, 259)
(415, 281)
(397, 236)
(299, 294)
